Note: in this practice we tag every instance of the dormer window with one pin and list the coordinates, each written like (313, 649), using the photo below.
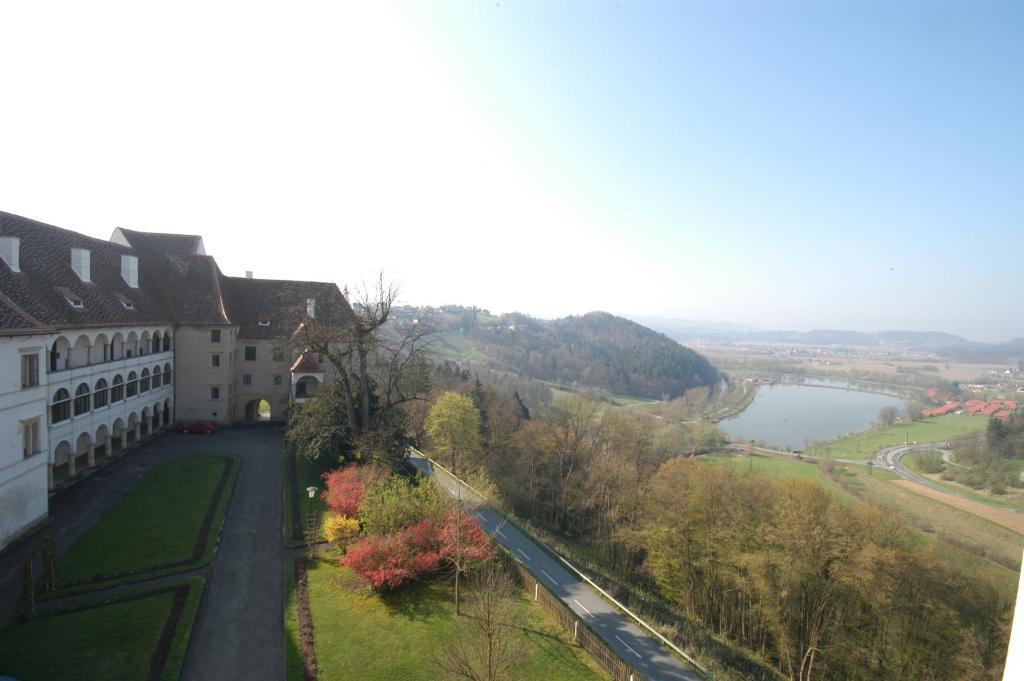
(80, 263)
(74, 300)
(311, 307)
(125, 301)
(130, 270)
(10, 247)
(264, 320)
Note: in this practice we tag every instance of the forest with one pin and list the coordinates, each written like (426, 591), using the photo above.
(596, 350)
(781, 571)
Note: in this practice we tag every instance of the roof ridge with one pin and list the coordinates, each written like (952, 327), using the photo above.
(105, 242)
(283, 281)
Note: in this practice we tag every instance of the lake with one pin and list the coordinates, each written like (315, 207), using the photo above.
(791, 415)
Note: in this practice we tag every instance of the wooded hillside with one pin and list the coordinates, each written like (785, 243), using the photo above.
(595, 350)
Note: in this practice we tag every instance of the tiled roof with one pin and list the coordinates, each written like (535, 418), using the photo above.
(45, 263)
(281, 305)
(187, 281)
(177, 283)
(307, 363)
(13, 318)
(167, 244)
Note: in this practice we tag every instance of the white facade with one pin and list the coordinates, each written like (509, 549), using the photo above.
(92, 393)
(23, 486)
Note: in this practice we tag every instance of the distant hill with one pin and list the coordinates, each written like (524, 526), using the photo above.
(596, 350)
(937, 342)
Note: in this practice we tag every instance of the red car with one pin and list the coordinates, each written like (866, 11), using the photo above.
(198, 427)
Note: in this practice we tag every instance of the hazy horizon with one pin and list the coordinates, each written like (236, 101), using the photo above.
(778, 165)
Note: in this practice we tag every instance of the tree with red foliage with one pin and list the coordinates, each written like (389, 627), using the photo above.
(392, 560)
(346, 487)
(463, 545)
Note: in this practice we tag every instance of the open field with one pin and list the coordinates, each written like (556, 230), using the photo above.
(169, 522)
(1008, 519)
(456, 346)
(396, 636)
(778, 468)
(842, 366)
(124, 638)
(939, 429)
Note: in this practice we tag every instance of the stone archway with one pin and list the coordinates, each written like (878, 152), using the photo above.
(258, 410)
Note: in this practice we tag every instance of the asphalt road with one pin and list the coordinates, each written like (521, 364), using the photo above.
(628, 640)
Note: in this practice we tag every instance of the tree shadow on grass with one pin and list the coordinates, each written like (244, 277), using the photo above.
(418, 601)
(551, 647)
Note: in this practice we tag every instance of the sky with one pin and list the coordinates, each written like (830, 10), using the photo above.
(788, 165)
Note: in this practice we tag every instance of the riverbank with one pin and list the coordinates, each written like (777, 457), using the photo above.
(791, 416)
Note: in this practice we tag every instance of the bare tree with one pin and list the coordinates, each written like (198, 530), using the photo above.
(379, 363)
(888, 415)
(487, 645)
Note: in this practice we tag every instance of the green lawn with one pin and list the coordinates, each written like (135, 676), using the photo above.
(865, 445)
(113, 641)
(307, 474)
(395, 636)
(155, 527)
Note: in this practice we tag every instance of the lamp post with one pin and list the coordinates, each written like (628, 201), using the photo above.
(311, 522)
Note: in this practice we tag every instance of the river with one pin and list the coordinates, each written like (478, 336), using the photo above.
(788, 416)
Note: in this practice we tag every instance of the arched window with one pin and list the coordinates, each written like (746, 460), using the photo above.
(167, 341)
(144, 381)
(117, 389)
(61, 408)
(167, 374)
(99, 395)
(82, 399)
(156, 342)
(156, 377)
(133, 384)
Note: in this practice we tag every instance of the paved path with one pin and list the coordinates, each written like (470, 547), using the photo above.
(239, 629)
(629, 642)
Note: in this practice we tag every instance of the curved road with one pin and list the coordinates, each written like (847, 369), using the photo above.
(630, 643)
(890, 458)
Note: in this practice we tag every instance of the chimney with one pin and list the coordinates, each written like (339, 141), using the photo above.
(311, 308)
(10, 248)
(248, 274)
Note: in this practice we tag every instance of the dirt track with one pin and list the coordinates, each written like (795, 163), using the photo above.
(1007, 519)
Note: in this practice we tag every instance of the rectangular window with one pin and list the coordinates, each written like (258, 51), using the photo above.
(215, 335)
(246, 379)
(250, 353)
(29, 370)
(215, 360)
(277, 379)
(278, 354)
(215, 392)
(30, 437)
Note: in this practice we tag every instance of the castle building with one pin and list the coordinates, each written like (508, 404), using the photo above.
(105, 343)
